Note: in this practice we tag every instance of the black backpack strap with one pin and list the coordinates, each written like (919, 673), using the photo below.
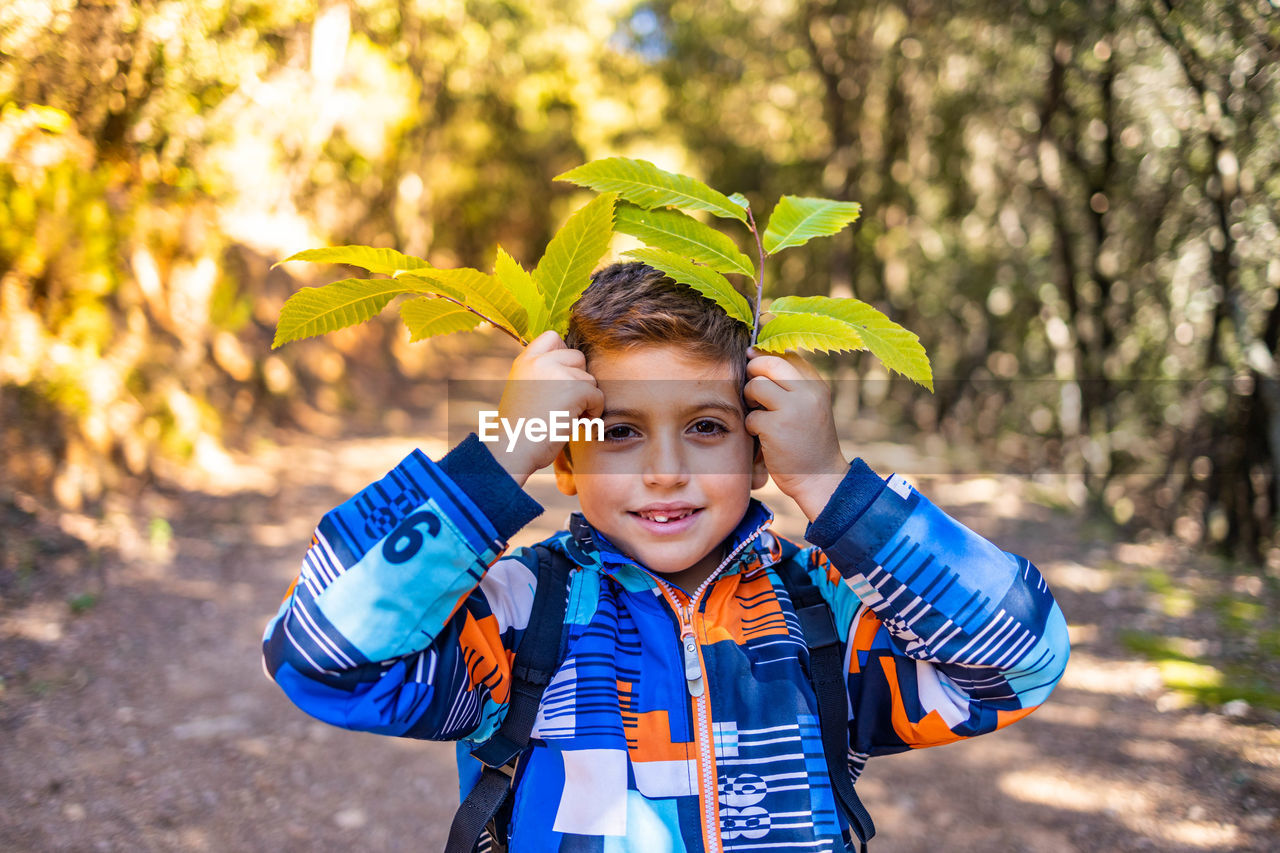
(826, 673)
(481, 810)
(537, 658)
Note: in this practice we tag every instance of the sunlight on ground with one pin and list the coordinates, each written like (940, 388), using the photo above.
(353, 464)
(1066, 574)
(295, 533)
(1000, 497)
(1063, 713)
(1081, 635)
(1140, 808)
(1117, 678)
(214, 471)
(40, 623)
(1154, 751)
(1165, 738)
(1079, 793)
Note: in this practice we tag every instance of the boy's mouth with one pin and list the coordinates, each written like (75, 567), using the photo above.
(666, 518)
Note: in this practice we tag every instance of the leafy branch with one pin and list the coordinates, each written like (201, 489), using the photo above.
(520, 304)
(699, 256)
(635, 198)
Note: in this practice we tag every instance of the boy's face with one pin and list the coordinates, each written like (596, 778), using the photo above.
(675, 448)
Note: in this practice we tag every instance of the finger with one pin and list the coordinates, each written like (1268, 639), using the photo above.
(578, 376)
(801, 365)
(759, 362)
(548, 341)
(568, 357)
(781, 371)
(763, 391)
(757, 421)
(594, 403)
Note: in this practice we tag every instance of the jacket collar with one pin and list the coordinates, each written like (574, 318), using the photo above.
(590, 548)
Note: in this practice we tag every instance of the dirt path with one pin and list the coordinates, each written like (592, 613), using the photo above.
(140, 719)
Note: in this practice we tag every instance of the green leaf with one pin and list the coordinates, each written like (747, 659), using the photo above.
(796, 220)
(517, 280)
(317, 310)
(898, 348)
(427, 316)
(807, 332)
(644, 184)
(705, 280)
(384, 261)
(565, 270)
(684, 235)
(740, 200)
(475, 290)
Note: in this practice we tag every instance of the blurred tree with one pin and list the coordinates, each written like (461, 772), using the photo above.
(156, 157)
(1075, 191)
(1079, 191)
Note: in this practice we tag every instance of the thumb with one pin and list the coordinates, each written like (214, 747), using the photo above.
(548, 341)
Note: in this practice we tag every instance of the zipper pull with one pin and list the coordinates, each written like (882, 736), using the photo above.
(692, 667)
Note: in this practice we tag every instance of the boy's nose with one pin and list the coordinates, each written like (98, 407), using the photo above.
(665, 464)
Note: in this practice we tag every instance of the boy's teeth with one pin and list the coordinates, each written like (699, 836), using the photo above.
(663, 518)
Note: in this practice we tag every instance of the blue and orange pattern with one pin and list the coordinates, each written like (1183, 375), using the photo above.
(404, 620)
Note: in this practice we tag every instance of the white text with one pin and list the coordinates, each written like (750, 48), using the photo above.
(559, 427)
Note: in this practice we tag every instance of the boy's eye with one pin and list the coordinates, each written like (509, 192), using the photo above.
(618, 432)
(708, 427)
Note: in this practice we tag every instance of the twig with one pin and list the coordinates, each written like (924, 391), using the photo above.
(755, 321)
(521, 341)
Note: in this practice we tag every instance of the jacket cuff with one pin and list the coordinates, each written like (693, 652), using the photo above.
(473, 469)
(857, 491)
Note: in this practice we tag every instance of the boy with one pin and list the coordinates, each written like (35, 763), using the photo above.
(680, 716)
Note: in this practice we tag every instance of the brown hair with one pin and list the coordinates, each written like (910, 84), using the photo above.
(632, 304)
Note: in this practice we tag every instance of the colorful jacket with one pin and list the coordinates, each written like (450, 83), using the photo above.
(405, 614)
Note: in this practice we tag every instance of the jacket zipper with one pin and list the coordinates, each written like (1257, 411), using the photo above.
(696, 685)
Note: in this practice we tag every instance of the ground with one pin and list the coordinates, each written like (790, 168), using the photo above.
(136, 715)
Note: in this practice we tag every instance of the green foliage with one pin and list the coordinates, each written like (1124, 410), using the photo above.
(796, 221)
(565, 270)
(1083, 192)
(1204, 682)
(320, 310)
(83, 602)
(523, 288)
(475, 290)
(526, 304)
(521, 304)
(676, 232)
(705, 280)
(377, 261)
(644, 184)
(897, 348)
(808, 332)
(428, 316)
(696, 255)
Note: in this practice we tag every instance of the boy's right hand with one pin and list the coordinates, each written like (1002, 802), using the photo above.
(547, 377)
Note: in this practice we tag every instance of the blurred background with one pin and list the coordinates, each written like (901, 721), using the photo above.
(1073, 203)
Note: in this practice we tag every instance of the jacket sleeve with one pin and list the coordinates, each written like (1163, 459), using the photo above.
(402, 617)
(948, 636)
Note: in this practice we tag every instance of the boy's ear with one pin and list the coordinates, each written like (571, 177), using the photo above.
(564, 473)
(759, 471)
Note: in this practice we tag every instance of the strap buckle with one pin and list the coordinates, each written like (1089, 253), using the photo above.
(535, 677)
(497, 752)
(818, 627)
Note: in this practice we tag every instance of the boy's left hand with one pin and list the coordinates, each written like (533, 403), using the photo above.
(796, 429)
